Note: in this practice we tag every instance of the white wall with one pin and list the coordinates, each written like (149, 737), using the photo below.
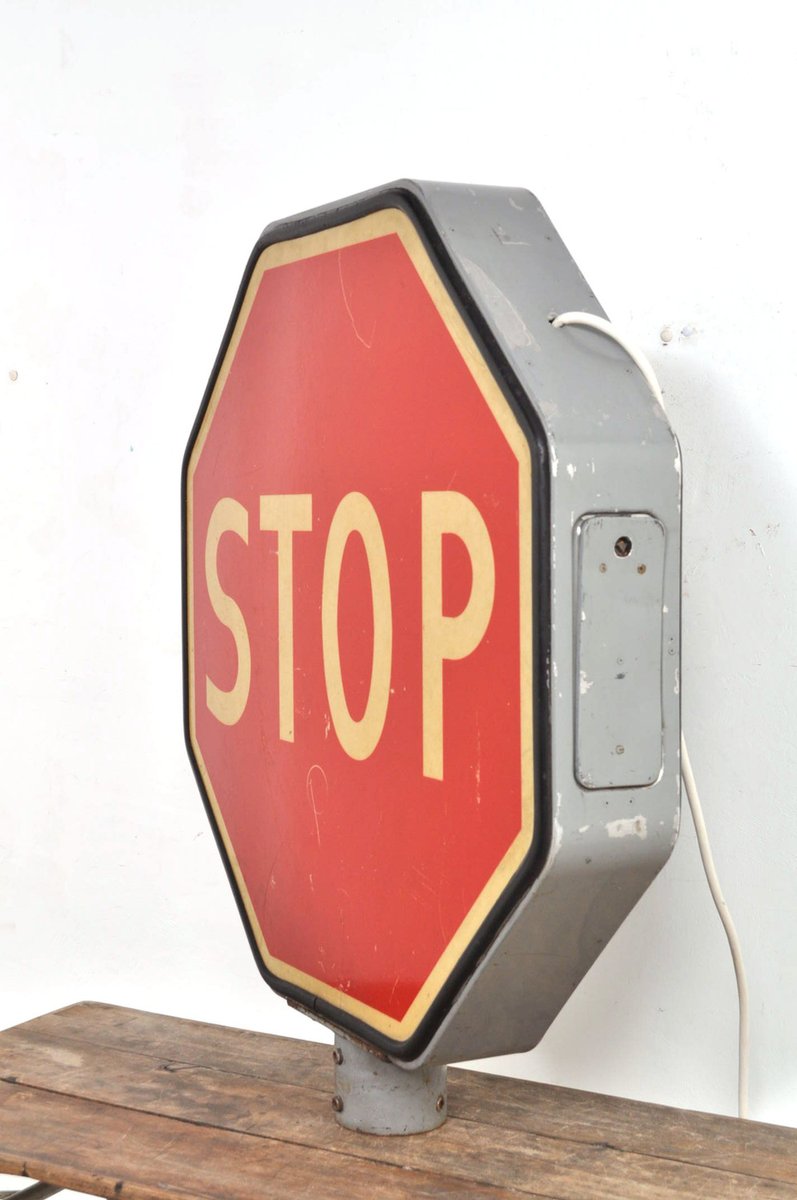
(143, 148)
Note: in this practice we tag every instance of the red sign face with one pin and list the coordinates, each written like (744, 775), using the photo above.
(359, 626)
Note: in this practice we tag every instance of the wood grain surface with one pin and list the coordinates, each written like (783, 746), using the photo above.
(121, 1103)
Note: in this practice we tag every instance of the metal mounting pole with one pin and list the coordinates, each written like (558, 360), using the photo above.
(373, 1095)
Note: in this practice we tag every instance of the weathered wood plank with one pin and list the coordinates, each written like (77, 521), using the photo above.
(766, 1151)
(464, 1149)
(282, 1060)
(129, 1155)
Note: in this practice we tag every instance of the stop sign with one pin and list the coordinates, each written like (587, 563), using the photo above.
(359, 628)
(431, 566)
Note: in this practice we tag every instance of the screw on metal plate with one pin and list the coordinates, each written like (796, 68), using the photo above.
(374, 1095)
(641, 569)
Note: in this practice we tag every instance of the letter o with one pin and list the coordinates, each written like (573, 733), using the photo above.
(356, 514)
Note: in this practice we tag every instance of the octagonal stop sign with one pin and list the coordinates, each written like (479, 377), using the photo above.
(367, 568)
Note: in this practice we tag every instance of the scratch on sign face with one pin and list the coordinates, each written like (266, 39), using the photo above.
(357, 333)
(317, 788)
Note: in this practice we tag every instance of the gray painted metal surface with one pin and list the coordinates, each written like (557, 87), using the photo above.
(618, 655)
(372, 1095)
(611, 451)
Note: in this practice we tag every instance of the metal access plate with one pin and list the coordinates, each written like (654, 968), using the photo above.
(618, 673)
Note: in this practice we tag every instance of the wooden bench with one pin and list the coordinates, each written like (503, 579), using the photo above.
(121, 1103)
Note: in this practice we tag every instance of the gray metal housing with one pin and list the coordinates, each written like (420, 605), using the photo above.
(611, 451)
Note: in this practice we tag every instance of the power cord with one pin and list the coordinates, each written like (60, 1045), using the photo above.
(637, 356)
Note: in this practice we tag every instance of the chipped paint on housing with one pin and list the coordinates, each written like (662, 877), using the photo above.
(571, 470)
(628, 827)
(583, 828)
(584, 683)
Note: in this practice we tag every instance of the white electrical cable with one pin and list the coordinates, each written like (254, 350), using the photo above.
(637, 356)
(727, 921)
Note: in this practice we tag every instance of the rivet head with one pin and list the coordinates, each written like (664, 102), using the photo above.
(441, 1103)
(619, 749)
(337, 1056)
(641, 569)
(337, 1103)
